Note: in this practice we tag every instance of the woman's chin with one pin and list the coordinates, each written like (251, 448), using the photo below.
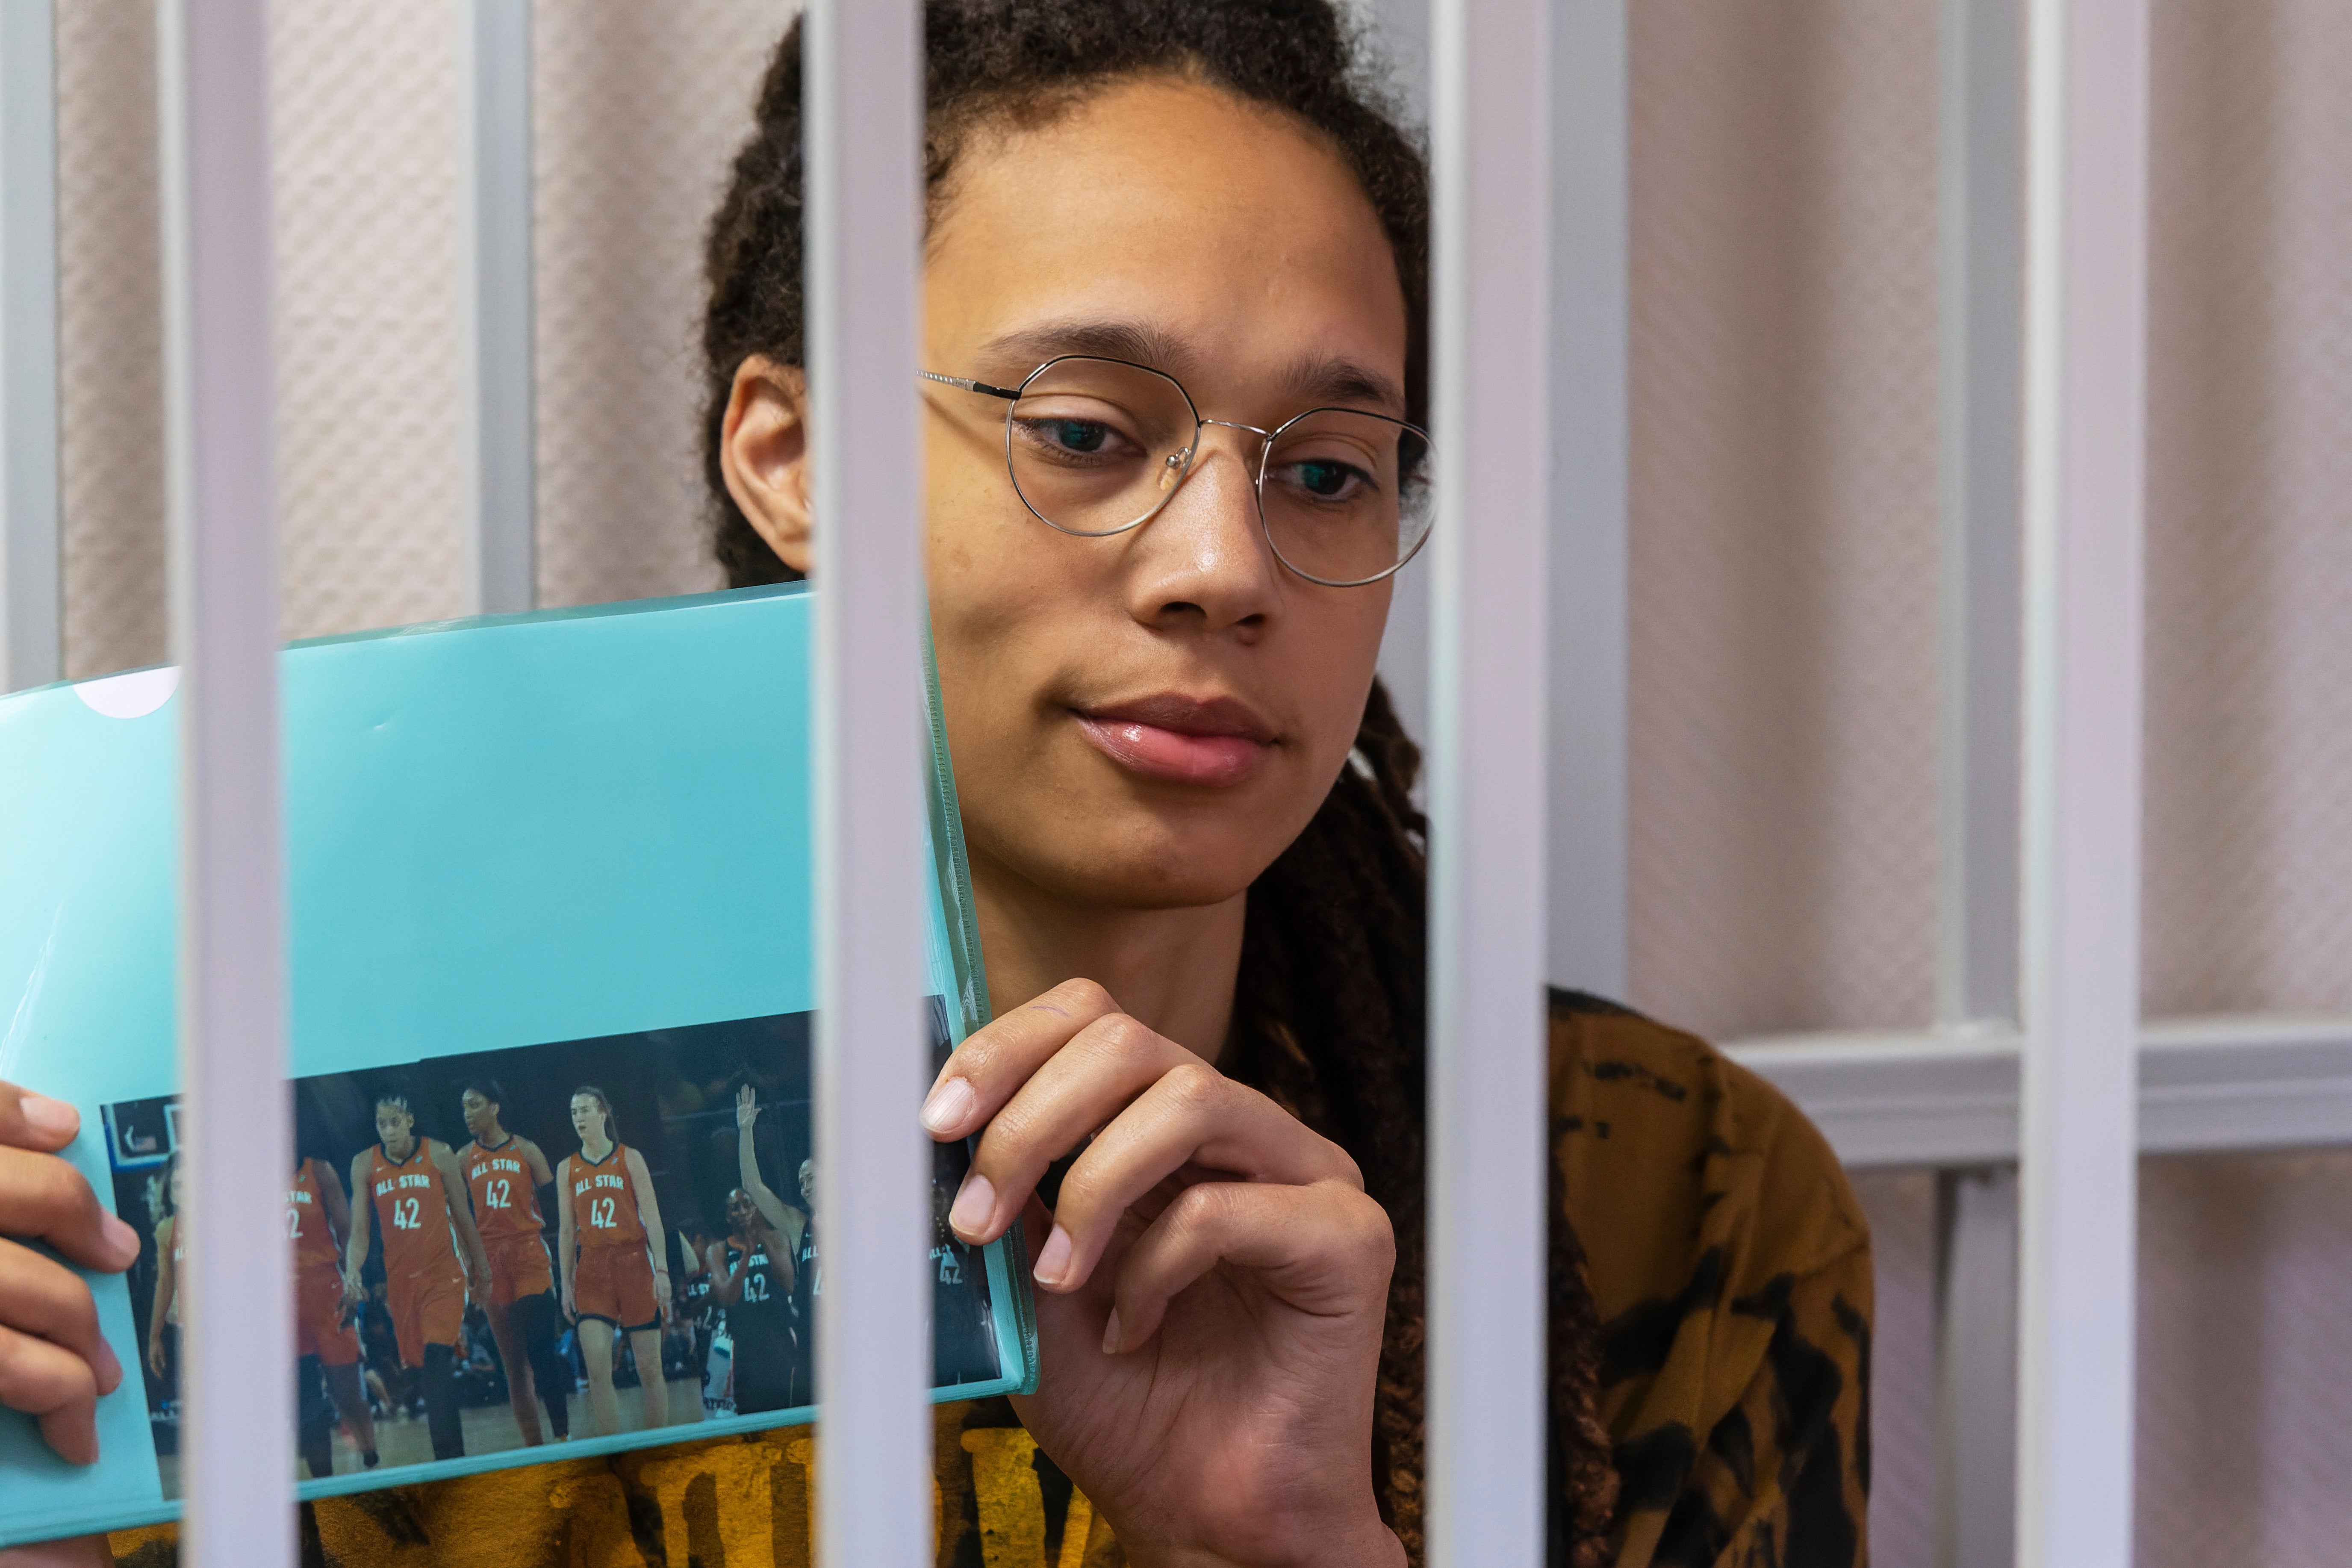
(1156, 876)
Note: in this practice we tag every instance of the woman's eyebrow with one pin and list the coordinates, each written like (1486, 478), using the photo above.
(1335, 380)
(1138, 342)
(1316, 380)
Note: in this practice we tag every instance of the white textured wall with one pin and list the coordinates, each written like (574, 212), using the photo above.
(1784, 594)
(2250, 513)
(2245, 1343)
(1783, 391)
(366, 125)
(638, 112)
(111, 340)
(2245, 1361)
(638, 108)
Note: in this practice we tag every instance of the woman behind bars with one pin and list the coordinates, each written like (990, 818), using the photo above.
(1174, 350)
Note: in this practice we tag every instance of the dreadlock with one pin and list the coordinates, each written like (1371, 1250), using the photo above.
(1329, 1008)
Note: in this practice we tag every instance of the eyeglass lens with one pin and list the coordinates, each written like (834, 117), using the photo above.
(1097, 447)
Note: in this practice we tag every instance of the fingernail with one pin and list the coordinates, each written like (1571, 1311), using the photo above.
(1110, 1333)
(948, 1106)
(51, 1118)
(1054, 1259)
(110, 1371)
(120, 1236)
(974, 1206)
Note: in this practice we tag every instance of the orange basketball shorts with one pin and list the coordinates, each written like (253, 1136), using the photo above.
(427, 1310)
(319, 1328)
(616, 1284)
(518, 1268)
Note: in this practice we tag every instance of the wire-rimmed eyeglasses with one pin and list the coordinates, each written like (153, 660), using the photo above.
(1098, 447)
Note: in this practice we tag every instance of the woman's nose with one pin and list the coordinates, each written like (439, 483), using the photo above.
(1205, 554)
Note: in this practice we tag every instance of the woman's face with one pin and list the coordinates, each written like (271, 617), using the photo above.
(481, 1112)
(1147, 720)
(392, 1126)
(587, 1117)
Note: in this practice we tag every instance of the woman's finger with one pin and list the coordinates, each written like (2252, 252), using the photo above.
(1325, 1249)
(1089, 1080)
(1193, 1116)
(29, 1121)
(56, 1385)
(82, 1551)
(42, 1195)
(992, 1063)
(40, 1296)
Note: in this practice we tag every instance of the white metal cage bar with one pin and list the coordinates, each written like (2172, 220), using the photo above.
(498, 304)
(1491, 135)
(1981, 218)
(1980, 199)
(864, 139)
(2087, 344)
(1976, 1382)
(213, 67)
(1591, 496)
(31, 601)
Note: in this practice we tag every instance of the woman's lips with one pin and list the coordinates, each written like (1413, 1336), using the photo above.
(1212, 743)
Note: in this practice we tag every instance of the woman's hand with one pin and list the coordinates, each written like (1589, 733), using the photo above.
(156, 1356)
(1215, 1286)
(53, 1364)
(746, 1108)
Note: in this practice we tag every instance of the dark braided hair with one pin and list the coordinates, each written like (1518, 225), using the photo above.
(1330, 1010)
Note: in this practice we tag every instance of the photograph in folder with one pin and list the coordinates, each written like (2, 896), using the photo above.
(553, 1189)
(487, 1256)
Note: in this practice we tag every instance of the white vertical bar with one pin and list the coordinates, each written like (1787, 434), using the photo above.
(1976, 1391)
(863, 140)
(496, 291)
(30, 563)
(1591, 543)
(1981, 274)
(1491, 133)
(237, 1445)
(2086, 312)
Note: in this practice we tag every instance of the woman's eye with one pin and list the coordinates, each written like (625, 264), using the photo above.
(1069, 436)
(1327, 479)
(1077, 435)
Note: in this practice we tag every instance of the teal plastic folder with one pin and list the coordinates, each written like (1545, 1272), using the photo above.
(535, 847)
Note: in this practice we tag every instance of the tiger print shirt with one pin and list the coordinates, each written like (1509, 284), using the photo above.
(1725, 1252)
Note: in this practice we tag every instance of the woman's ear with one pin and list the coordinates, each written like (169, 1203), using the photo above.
(763, 452)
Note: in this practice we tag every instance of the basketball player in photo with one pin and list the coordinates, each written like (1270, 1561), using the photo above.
(415, 1192)
(752, 1279)
(964, 1331)
(504, 1172)
(170, 1256)
(613, 1281)
(317, 1221)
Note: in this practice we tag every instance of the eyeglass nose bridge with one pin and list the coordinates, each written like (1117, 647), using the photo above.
(1180, 464)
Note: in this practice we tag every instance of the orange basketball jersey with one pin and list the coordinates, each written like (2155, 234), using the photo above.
(506, 1203)
(604, 1207)
(412, 1208)
(306, 1223)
